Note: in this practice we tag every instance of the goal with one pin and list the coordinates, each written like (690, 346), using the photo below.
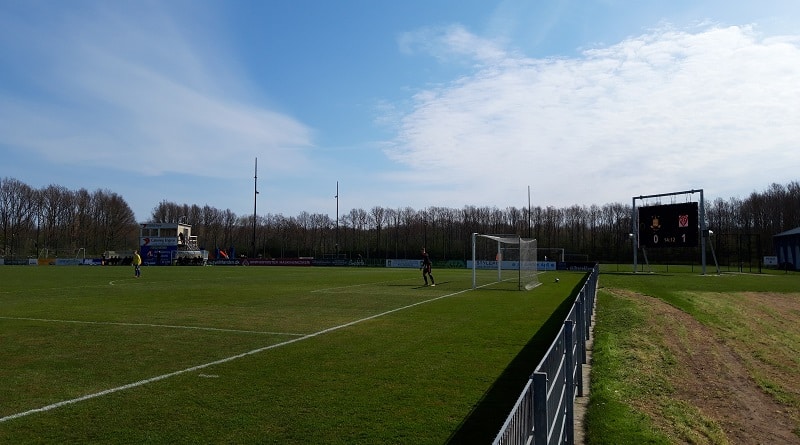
(504, 261)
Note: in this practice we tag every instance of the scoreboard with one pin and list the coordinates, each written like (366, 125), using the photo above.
(672, 225)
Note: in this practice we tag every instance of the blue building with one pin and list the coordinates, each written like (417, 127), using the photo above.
(787, 248)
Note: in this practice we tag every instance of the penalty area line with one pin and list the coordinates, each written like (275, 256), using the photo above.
(221, 361)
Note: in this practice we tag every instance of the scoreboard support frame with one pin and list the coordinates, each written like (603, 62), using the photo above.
(702, 220)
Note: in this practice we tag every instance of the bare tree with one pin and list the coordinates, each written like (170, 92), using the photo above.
(17, 213)
(407, 218)
(575, 221)
(54, 212)
(393, 218)
(359, 219)
(120, 223)
(378, 219)
(59, 219)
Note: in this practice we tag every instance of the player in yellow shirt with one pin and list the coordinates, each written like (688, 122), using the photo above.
(137, 262)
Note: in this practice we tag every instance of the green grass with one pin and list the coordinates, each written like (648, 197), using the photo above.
(616, 375)
(632, 367)
(306, 355)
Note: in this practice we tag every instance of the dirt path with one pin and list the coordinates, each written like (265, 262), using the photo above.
(711, 376)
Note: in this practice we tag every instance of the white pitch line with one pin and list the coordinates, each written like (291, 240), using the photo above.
(218, 362)
(197, 328)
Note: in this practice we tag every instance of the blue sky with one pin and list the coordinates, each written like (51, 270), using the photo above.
(404, 103)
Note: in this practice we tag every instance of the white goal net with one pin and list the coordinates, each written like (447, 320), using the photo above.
(504, 261)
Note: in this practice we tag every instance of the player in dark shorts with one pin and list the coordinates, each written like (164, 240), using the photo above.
(426, 268)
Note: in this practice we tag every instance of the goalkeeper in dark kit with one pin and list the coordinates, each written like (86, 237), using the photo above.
(426, 268)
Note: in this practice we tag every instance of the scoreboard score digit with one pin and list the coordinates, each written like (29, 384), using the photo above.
(672, 225)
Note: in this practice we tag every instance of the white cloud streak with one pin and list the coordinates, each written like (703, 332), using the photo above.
(667, 111)
(451, 43)
(142, 95)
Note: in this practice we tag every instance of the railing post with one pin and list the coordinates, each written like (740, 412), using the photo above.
(569, 340)
(581, 321)
(540, 417)
(536, 421)
(581, 340)
(587, 311)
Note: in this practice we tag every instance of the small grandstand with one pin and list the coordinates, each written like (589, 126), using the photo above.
(168, 244)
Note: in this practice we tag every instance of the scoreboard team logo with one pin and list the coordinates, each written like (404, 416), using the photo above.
(655, 225)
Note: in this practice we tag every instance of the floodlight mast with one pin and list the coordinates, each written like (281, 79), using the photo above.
(529, 213)
(337, 220)
(255, 206)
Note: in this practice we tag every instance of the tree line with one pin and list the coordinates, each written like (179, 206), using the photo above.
(56, 221)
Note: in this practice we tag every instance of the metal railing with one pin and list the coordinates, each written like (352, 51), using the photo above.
(543, 413)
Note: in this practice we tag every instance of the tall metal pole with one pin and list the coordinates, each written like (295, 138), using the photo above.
(634, 233)
(425, 231)
(255, 207)
(703, 230)
(337, 219)
(529, 212)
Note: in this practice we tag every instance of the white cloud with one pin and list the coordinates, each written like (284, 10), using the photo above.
(450, 43)
(667, 111)
(142, 95)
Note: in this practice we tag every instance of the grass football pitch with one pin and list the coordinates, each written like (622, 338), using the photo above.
(265, 354)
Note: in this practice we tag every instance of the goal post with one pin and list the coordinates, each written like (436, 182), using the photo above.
(504, 259)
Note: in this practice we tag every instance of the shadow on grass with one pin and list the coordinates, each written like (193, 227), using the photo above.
(487, 417)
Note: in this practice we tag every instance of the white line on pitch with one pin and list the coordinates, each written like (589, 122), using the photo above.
(197, 328)
(219, 362)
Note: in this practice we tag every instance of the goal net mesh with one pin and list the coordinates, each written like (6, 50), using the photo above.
(506, 261)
